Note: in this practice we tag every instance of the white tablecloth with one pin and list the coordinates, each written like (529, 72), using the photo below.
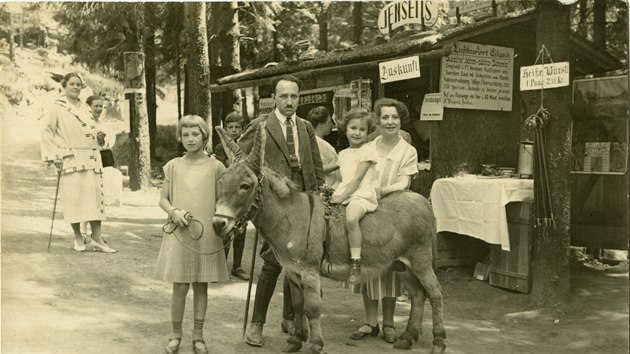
(475, 205)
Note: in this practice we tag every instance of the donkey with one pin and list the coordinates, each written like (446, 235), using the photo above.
(400, 233)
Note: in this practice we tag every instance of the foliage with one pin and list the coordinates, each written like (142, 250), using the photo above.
(167, 147)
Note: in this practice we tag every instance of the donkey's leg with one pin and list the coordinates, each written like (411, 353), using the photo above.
(311, 283)
(434, 290)
(294, 342)
(417, 296)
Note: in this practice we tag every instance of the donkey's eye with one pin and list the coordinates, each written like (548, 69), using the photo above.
(245, 186)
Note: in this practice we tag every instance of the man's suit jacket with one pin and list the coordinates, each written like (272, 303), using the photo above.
(277, 151)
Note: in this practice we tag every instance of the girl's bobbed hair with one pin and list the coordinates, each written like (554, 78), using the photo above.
(191, 121)
(69, 76)
(358, 113)
(403, 112)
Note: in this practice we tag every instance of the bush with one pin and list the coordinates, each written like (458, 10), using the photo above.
(14, 95)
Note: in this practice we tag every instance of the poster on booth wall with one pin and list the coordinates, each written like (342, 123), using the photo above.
(477, 76)
(432, 107)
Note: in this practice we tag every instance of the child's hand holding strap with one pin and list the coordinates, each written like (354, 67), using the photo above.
(178, 216)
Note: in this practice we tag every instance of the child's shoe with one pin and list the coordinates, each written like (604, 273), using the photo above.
(355, 271)
(199, 346)
(173, 346)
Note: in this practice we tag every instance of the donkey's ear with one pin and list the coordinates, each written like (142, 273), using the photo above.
(256, 157)
(232, 150)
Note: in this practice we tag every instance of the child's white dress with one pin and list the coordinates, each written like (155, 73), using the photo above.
(192, 187)
(348, 161)
(402, 160)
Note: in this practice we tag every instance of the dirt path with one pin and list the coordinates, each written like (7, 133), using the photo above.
(68, 302)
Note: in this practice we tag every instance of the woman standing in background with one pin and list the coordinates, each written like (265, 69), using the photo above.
(69, 142)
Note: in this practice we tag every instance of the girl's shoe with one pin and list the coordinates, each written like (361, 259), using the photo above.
(173, 346)
(199, 346)
(101, 247)
(86, 239)
(365, 331)
(79, 246)
(389, 333)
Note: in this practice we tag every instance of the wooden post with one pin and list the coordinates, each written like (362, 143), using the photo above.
(135, 88)
(551, 251)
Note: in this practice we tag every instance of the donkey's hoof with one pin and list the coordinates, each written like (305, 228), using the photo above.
(314, 349)
(402, 343)
(438, 349)
(294, 344)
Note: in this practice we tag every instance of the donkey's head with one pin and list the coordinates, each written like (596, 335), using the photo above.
(240, 186)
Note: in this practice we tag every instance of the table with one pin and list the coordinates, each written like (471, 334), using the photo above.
(475, 205)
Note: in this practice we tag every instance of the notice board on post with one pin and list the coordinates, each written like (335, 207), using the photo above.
(477, 76)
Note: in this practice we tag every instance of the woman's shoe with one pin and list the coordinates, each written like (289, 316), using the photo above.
(389, 333)
(101, 247)
(86, 239)
(199, 346)
(365, 331)
(79, 246)
(173, 346)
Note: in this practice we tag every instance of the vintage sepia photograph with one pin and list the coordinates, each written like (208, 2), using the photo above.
(359, 177)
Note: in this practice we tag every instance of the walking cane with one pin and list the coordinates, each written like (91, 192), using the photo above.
(251, 279)
(52, 222)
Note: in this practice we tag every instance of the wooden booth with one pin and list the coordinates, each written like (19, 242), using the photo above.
(463, 79)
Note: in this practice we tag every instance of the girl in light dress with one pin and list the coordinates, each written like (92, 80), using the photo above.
(357, 189)
(190, 186)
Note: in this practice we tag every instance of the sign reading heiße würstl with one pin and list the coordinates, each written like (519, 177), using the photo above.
(536, 77)
(399, 69)
(404, 12)
(477, 76)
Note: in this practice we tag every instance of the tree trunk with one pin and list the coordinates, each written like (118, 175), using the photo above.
(322, 21)
(599, 19)
(357, 21)
(140, 161)
(582, 27)
(150, 72)
(178, 75)
(11, 39)
(198, 66)
(230, 60)
(550, 269)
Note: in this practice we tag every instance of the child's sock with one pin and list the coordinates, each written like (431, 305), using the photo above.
(355, 253)
(177, 330)
(198, 330)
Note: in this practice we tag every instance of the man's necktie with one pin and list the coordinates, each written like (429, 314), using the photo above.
(291, 144)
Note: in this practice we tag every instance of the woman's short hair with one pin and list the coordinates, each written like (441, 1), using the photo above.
(232, 117)
(69, 76)
(403, 112)
(191, 121)
(318, 115)
(357, 113)
(92, 99)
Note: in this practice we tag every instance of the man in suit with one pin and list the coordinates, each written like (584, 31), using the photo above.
(291, 149)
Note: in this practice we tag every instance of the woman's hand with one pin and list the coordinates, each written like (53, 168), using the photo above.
(380, 192)
(335, 199)
(180, 217)
(58, 164)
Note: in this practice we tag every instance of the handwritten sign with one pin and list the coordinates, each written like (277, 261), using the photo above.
(400, 69)
(477, 76)
(432, 107)
(536, 77)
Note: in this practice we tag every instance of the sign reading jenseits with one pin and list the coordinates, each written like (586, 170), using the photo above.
(403, 12)
(399, 69)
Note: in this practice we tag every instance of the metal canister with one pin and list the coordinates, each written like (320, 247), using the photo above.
(526, 159)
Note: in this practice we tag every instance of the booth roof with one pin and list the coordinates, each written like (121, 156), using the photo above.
(429, 44)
